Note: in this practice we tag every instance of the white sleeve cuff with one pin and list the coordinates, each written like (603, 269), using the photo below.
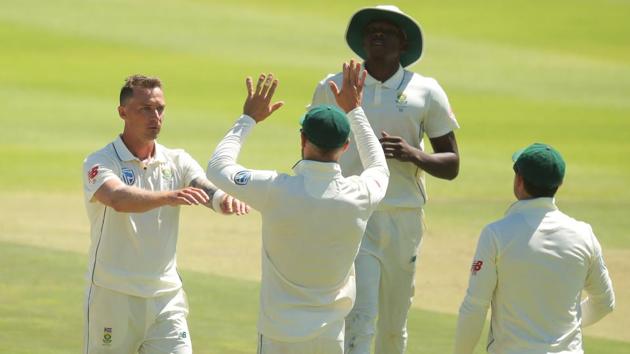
(247, 119)
(216, 201)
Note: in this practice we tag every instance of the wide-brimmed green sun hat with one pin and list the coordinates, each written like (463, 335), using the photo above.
(389, 13)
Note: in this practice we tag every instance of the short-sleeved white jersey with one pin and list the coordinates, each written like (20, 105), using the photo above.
(312, 225)
(407, 105)
(134, 253)
(532, 266)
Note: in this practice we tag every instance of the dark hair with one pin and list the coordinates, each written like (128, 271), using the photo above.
(535, 191)
(135, 81)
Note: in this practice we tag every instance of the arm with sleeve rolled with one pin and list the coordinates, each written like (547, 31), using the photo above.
(128, 199)
(102, 184)
(481, 286)
(598, 286)
(439, 123)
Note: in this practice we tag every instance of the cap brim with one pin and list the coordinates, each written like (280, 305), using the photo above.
(354, 33)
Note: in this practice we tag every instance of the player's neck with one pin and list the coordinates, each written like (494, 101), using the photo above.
(140, 148)
(381, 70)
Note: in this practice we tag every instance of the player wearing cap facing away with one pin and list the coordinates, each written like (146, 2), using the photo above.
(402, 107)
(532, 266)
(133, 190)
(312, 221)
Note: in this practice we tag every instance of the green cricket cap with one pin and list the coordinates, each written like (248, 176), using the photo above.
(540, 165)
(326, 126)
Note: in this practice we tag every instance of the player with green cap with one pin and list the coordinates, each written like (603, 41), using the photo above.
(402, 107)
(312, 221)
(532, 266)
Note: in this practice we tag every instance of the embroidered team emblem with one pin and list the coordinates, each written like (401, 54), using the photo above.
(167, 174)
(401, 98)
(401, 101)
(107, 336)
(128, 176)
(476, 266)
(241, 178)
(92, 173)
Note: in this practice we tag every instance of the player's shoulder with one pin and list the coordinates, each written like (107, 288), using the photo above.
(104, 155)
(178, 156)
(426, 82)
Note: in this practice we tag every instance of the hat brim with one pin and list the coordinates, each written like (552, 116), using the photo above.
(354, 33)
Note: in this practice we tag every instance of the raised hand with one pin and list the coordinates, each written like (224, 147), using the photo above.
(258, 102)
(351, 93)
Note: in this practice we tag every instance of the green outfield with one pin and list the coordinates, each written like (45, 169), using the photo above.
(516, 72)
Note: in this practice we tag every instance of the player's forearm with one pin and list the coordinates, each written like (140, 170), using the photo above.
(223, 161)
(370, 151)
(443, 165)
(214, 194)
(228, 149)
(469, 326)
(594, 309)
(135, 200)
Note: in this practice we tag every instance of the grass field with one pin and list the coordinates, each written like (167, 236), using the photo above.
(516, 72)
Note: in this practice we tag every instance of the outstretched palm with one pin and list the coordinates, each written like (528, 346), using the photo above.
(351, 93)
(258, 103)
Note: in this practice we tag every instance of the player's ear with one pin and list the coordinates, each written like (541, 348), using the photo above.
(122, 112)
(346, 145)
(303, 139)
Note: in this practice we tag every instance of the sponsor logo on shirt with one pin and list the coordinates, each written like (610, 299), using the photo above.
(128, 176)
(107, 336)
(241, 178)
(92, 173)
(476, 266)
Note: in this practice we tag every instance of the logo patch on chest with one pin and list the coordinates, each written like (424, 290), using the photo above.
(128, 176)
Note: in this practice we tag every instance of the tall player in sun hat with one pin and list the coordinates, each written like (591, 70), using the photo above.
(133, 190)
(402, 107)
(312, 221)
(532, 266)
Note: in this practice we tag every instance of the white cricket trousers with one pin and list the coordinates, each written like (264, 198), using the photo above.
(118, 323)
(329, 342)
(385, 270)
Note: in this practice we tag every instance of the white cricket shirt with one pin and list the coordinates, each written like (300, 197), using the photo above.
(134, 253)
(312, 225)
(407, 105)
(532, 265)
